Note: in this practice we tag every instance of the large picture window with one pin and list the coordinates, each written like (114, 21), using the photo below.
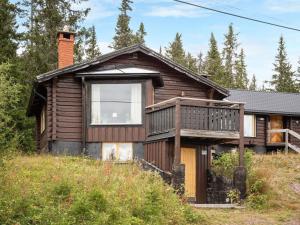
(249, 126)
(117, 152)
(116, 104)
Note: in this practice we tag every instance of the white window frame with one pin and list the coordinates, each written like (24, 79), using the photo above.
(43, 120)
(117, 153)
(253, 125)
(92, 122)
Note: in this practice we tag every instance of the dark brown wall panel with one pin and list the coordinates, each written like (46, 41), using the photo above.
(158, 153)
(295, 126)
(68, 109)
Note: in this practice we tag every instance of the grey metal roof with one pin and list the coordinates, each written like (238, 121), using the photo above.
(135, 48)
(267, 102)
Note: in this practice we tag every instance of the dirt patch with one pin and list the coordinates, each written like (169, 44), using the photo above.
(296, 188)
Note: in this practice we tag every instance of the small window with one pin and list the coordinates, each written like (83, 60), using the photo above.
(43, 119)
(249, 126)
(116, 104)
(117, 152)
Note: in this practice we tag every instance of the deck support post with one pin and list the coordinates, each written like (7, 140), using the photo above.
(241, 140)
(177, 133)
(240, 172)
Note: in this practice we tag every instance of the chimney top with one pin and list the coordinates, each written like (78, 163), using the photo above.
(65, 47)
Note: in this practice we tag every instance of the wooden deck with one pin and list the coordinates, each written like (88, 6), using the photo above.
(195, 118)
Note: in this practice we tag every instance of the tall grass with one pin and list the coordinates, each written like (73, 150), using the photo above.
(65, 190)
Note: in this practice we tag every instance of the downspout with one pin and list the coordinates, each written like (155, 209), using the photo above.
(83, 92)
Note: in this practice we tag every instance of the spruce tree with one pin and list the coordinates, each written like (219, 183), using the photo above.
(241, 80)
(124, 36)
(191, 63)
(176, 52)
(200, 64)
(43, 18)
(213, 63)
(253, 85)
(92, 50)
(283, 80)
(229, 56)
(140, 35)
(8, 33)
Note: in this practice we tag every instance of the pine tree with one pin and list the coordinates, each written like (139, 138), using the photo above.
(241, 80)
(191, 62)
(213, 63)
(140, 35)
(8, 33)
(283, 80)
(229, 56)
(175, 51)
(253, 85)
(200, 64)
(92, 50)
(43, 19)
(124, 36)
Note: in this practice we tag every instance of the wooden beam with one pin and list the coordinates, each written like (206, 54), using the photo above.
(241, 140)
(54, 108)
(177, 152)
(210, 134)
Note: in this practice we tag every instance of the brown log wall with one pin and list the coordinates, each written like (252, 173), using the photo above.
(295, 126)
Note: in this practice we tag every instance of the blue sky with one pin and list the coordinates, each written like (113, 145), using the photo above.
(163, 18)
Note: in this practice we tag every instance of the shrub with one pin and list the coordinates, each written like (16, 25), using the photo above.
(227, 162)
(257, 201)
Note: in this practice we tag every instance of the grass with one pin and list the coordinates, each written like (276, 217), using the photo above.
(66, 190)
(281, 175)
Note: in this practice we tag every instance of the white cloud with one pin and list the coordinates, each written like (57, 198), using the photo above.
(104, 47)
(283, 6)
(168, 8)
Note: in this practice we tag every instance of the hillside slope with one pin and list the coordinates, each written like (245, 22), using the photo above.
(64, 190)
(281, 175)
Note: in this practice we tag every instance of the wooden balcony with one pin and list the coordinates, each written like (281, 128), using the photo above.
(191, 117)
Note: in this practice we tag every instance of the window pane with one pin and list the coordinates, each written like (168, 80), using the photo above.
(109, 151)
(125, 152)
(249, 126)
(116, 104)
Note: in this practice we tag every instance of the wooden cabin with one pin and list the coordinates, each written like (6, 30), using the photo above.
(271, 121)
(134, 103)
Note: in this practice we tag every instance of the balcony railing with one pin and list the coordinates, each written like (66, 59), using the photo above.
(194, 117)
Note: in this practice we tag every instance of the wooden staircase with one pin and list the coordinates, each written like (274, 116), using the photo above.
(287, 145)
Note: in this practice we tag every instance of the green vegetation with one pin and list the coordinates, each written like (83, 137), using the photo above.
(65, 190)
(273, 197)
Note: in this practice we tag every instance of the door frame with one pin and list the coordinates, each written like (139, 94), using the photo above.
(202, 165)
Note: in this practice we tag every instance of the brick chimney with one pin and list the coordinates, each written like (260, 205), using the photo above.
(65, 48)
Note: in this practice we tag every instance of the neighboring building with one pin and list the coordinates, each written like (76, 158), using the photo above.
(267, 111)
(134, 103)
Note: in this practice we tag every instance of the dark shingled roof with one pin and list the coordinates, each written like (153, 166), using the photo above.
(267, 102)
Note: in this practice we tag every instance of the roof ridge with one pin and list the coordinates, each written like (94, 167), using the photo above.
(267, 92)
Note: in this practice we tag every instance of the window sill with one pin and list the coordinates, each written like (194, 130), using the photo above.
(116, 124)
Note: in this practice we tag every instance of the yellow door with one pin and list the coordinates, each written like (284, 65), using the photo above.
(276, 123)
(188, 158)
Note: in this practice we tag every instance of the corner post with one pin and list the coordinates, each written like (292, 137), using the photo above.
(240, 173)
(241, 140)
(177, 133)
(83, 99)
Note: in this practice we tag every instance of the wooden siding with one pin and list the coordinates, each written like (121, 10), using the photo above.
(175, 83)
(295, 126)
(160, 153)
(67, 114)
(261, 133)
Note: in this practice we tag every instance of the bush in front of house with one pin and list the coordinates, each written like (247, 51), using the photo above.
(225, 165)
(65, 191)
